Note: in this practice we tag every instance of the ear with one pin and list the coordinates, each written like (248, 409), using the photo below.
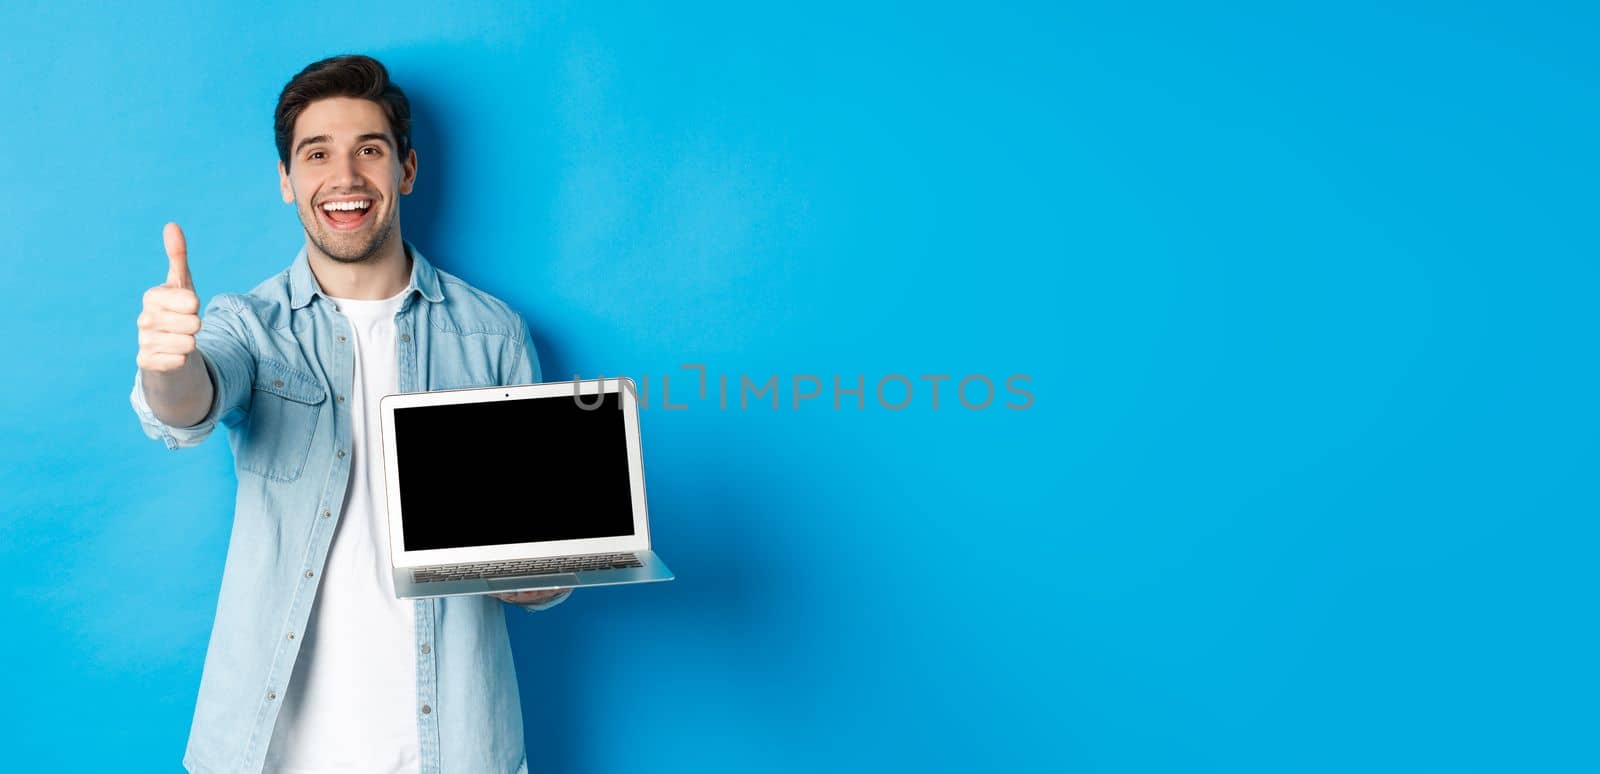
(283, 185)
(408, 172)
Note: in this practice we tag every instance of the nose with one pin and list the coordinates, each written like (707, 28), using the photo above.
(346, 174)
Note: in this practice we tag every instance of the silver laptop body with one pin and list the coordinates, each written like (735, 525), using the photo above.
(501, 489)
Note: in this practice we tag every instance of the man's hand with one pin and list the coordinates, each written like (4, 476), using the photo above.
(171, 314)
(530, 597)
(175, 379)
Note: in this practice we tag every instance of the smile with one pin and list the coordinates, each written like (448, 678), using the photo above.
(347, 215)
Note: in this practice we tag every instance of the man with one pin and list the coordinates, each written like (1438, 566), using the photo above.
(313, 665)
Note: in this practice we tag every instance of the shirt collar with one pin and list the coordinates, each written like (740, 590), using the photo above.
(303, 284)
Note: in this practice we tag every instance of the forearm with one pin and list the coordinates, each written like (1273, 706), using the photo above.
(181, 397)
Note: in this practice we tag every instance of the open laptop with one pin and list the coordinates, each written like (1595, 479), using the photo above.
(501, 489)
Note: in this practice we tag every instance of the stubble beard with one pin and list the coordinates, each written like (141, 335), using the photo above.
(324, 240)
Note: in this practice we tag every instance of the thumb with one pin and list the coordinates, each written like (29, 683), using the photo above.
(177, 258)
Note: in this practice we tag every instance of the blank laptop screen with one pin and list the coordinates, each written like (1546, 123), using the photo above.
(512, 471)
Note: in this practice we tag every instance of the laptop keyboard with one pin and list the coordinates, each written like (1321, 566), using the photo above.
(524, 567)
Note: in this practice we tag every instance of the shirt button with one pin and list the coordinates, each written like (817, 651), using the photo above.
(405, 337)
(291, 635)
(341, 453)
(426, 709)
(309, 573)
(277, 382)
(326, 514)
(425, 649)
(341, 338)
(341, 398)
(272, 695)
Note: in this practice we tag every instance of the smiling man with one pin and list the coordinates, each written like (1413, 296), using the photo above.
(314, 666)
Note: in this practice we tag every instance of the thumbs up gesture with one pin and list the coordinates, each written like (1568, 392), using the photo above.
(171, 315)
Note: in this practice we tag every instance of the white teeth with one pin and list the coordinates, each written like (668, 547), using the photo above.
(357, 205)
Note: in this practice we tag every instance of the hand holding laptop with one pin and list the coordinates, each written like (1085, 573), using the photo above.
(530, 597)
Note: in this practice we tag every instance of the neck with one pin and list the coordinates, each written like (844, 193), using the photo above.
(382, 275)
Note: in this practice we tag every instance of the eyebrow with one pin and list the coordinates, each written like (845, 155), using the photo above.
(384, 136)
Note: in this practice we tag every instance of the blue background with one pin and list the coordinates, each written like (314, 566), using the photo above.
(1307, 297)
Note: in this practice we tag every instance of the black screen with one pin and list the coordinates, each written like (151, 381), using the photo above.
(512, 471)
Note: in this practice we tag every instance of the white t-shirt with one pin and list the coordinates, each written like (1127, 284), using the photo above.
(351, 704)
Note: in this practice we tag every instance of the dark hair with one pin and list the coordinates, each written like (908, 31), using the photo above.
(351, 75)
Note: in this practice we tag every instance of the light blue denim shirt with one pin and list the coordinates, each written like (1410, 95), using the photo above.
(280, 359)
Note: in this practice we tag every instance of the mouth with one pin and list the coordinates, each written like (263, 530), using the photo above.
(348, 214)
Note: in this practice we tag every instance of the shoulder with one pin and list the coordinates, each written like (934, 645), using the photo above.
(467, 309)
(267, 302)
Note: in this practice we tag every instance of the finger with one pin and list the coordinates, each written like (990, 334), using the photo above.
(525, 597)
(177, 300)
(164, 321)
(177, 257)
(161, 361)
(169, 343)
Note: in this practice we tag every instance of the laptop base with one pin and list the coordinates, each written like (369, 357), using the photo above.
(651, 569)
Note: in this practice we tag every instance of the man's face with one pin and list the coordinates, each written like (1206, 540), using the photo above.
(343, 156)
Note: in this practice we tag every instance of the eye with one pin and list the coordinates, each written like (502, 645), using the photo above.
(373, 148)
(314, 154)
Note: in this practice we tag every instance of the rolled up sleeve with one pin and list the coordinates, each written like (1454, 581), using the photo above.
(230, 364)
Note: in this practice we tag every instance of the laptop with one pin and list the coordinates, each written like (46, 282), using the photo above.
(502, 489)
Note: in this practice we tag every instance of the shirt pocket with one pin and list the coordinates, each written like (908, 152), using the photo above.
(283, 417)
